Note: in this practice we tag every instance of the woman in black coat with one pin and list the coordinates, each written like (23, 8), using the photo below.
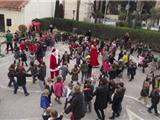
(21, 80)
(116, 104)
(41, 75)
(101, 100)
(132, 70)
(77, 105)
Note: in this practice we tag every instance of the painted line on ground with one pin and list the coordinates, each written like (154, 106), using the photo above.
(20, 90)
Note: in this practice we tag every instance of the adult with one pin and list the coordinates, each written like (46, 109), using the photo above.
(41, 75)
(21, 80)
(9, 40)
(101, 100)
(116, 104)
(132, 70)
(155, 98)
(77, 105)
(126, 39)
(11, 75)
(40, 52)
(65, 58)
(54, 64)
(89, 35)
(84, 70)
(94, 56)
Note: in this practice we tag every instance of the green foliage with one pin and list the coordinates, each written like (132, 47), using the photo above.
(122, 24)
(122, 16)
(104, 31)
(155, 12)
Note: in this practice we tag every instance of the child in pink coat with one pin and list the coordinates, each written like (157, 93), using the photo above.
(58, 89)
(106, 68)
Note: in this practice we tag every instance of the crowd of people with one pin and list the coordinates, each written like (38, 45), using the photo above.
(81, 92)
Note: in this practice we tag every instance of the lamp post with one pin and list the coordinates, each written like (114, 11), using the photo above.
(73, 14)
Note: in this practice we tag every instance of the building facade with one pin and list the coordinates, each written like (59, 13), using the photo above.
(23, 12)
(70, 7)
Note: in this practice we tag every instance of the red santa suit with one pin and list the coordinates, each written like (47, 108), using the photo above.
(54, 65)
(94, 56)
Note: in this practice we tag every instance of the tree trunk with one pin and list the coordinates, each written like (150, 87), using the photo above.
(56, 9)
(78, 7)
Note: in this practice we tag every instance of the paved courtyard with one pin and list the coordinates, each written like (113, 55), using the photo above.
(20, 107)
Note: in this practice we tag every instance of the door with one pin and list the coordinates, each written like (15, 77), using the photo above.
(2, 24)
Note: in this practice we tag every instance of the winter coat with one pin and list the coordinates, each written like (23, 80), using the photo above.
(64, 71)
(16, 53)
(44, 102)
(84, 68)
(58, 89)
(65, 58)
(11, 72)
(101, 94)
(132, 69)
(155, 97)
(42, 73)
(23, 57)
(106, 67)
(74, 74)
(116, 102)
(88, 93)
(21, 77)
(112, 74)
(77, 106)
(39, 53)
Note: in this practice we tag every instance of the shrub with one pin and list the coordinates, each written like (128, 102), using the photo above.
(122, 24)
(22, 28)
(104, 31)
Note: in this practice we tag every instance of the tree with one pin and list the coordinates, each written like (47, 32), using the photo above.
(61, 11)
(155, 15)
(56, 9)
(78, 7)
(22, 29)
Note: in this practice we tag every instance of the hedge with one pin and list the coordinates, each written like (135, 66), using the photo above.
(104, 31)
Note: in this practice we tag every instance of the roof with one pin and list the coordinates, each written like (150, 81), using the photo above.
(13, 4)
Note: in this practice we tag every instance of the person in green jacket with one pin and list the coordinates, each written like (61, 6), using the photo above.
(84, 69)
(9, 40)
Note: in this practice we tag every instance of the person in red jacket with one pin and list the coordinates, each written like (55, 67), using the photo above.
(22, 46)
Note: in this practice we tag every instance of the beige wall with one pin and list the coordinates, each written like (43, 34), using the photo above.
(38, 9)
(34, 9)
(17, 18)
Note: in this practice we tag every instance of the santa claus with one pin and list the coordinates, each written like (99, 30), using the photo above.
(54, 64)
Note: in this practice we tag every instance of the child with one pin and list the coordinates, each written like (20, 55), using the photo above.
(84, 70)
(54, 115)
(44, 101)
(24, 58)
(33, 69)
(22, 46)
(49, 86)
(68, 93)
(58, 89)
(32, 57)
(74, 72)
(16, 53)
(64, 71)
(46, 115)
